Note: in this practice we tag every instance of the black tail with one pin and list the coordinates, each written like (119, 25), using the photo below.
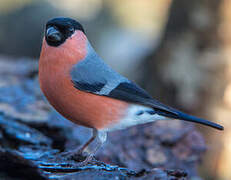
(186, 117)
(190, 118)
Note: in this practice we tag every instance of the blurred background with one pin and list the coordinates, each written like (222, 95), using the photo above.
(178, 50)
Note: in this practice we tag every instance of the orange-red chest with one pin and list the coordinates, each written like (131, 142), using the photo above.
(55, 81)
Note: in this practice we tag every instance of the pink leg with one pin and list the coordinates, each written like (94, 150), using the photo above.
(88, 150)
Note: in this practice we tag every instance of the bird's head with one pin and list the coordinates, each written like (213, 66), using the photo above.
(64, 41)
(58, 30)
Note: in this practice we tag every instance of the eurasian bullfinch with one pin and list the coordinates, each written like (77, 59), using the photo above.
(85, 90)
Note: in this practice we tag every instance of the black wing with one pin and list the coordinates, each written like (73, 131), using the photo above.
(130, 92)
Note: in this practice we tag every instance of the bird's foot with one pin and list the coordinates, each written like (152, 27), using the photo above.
(67, 161)
(79, 157)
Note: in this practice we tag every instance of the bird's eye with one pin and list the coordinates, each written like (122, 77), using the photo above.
(71, 29)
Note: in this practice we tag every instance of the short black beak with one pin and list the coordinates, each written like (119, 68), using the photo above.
(53, 35)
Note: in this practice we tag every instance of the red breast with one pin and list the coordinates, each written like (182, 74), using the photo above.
(80, 107)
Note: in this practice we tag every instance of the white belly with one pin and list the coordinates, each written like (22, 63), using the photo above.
(134, 117)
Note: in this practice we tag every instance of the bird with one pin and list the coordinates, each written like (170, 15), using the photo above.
(85, 90)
